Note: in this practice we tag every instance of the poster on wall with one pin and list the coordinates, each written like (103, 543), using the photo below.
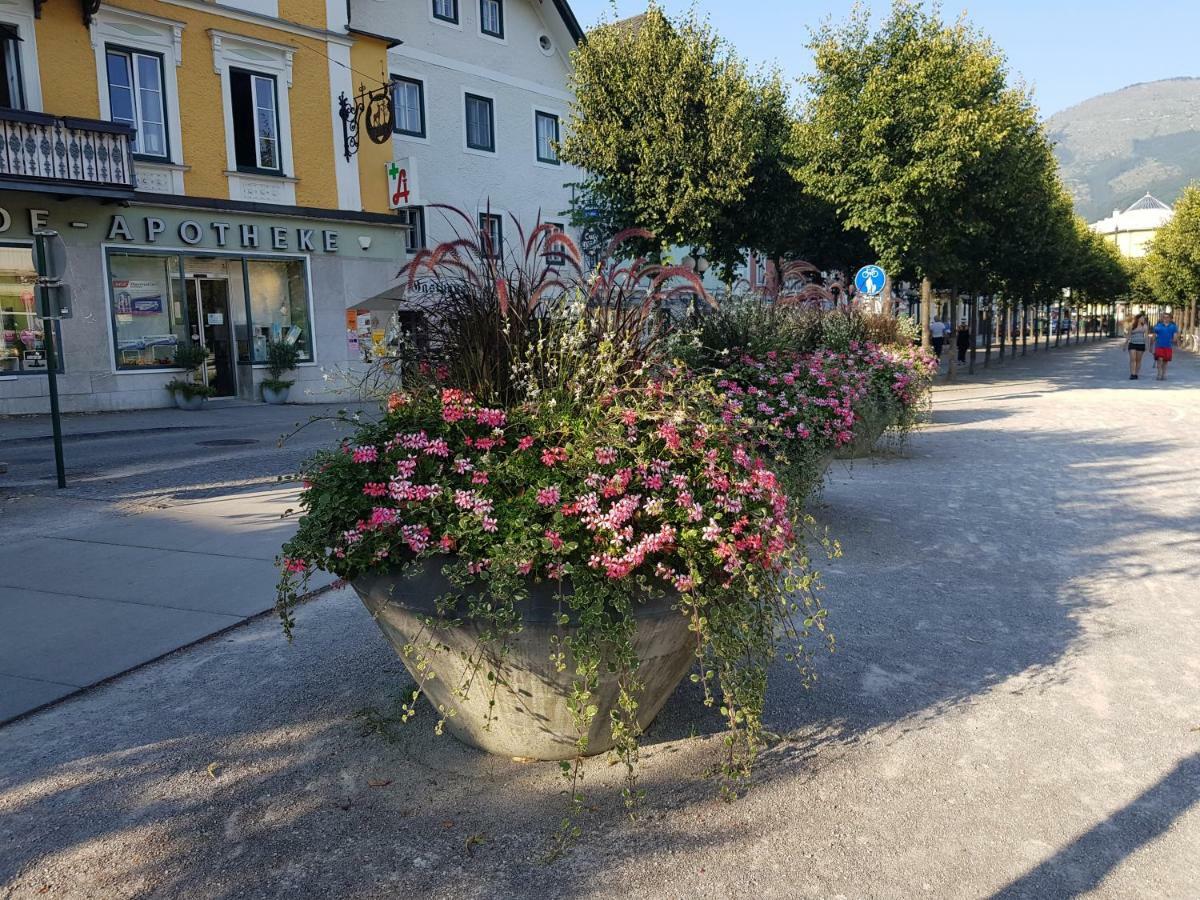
(136, 298)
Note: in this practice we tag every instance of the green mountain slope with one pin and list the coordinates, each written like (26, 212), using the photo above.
(1115, 147)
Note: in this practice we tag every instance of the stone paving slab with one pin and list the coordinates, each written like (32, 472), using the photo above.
(81, 604)
(19, 695)
(81, 640)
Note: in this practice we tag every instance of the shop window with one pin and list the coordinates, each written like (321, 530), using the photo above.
(136, 98)
(22, 338)
(446, 10)
(12, 94)
(491, 18)
(150, 319)
(409, 98)
(223, 300)
(546, 133)
(481, 131)
(491, 234)
(255, 121)
(414, 218)
(278, 305)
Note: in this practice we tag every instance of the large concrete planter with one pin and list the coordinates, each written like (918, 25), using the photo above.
(874, 418)
(530, 718)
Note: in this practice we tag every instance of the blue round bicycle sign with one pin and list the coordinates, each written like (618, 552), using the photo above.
(870, 280)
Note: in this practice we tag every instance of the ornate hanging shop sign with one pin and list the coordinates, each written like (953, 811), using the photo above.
(380, 116)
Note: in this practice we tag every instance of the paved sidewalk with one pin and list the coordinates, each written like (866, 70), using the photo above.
(1011, 712)
(81, 604)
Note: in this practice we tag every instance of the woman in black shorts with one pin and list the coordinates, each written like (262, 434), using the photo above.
(1136, 344)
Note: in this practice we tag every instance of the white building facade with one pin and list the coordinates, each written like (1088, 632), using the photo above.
(1132, 230)
(482, 99)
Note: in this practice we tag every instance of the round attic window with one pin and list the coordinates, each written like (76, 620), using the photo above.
(546, 45)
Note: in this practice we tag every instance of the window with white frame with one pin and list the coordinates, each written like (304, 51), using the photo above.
(255, 120)
(409, 99)
(446, 10)
(136, 98)
(491, 18)
(546, 132)
(491, 234)
(414, 218)
(12, 91)
(481, 124)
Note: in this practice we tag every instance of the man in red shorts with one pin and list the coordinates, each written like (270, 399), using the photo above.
(1164, 338)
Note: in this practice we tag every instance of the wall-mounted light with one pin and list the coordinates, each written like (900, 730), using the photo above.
(364, 242)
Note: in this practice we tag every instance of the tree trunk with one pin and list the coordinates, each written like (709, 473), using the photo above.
(952, 336)
(974, 329)
(926, 307)
(987, 331)
(1024, 326)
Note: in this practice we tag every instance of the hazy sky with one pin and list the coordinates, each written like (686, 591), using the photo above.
(1068, 50)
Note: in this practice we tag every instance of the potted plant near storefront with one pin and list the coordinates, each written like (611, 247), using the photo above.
(189, 391)
(281, 357)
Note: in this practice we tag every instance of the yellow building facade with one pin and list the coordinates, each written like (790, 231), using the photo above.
(204, 190)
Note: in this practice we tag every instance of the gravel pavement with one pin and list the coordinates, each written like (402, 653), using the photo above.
(1013, 710)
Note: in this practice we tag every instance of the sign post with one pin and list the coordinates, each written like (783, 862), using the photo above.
(50, 263)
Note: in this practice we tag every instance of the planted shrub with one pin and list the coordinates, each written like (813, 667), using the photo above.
(282, 357)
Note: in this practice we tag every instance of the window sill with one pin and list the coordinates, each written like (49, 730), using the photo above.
(263, 173)
(475, 151)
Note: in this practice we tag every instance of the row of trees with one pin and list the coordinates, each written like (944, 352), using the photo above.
(910, 147)
(1170, 272)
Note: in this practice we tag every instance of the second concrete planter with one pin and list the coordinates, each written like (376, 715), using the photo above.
(530, 717)
(875, 416)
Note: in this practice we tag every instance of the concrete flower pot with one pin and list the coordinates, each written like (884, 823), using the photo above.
(530, 717)
(874, 418)
(191, 404)
(274, 397)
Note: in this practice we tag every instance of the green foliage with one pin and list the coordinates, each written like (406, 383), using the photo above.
(188, 389)
(281, 357)
(1172, 267)
(680, 138)
(915, 135)
(190, 356)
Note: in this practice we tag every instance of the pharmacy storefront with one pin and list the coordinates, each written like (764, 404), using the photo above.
(148, 280)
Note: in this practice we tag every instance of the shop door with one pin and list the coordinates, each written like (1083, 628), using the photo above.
(208, 300)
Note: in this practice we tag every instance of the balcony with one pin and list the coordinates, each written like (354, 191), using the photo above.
(65, 155)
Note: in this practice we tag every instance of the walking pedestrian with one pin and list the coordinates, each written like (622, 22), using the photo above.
(1164, 337)
(1136, 344)
(962, 341)
(937, 334)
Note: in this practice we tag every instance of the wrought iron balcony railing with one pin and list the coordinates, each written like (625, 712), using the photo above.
(65, 155)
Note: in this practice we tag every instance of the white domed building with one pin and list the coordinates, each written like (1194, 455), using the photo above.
(1132, 230)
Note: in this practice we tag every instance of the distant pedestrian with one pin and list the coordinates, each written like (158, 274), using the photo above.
(962, 341)
(1136, 344)
(937, 334)
(1164, 337)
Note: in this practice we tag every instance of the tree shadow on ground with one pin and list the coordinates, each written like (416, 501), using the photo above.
(1081, 866)
(233, 769)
